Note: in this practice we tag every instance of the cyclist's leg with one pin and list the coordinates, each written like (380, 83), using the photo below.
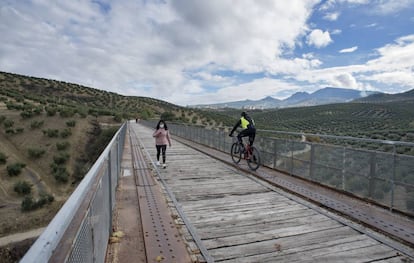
(242, 134)
(252, 136)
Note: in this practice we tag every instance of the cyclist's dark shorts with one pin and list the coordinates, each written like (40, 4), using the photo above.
(248, 132)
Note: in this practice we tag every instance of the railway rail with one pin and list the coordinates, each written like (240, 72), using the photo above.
(225, 214)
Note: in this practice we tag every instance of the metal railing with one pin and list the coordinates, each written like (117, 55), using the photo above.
(386, 178)
(80, 230)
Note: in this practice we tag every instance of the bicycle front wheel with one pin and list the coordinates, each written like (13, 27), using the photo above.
(254, 161)
(236, 152)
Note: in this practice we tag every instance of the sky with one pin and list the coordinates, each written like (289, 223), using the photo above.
(190, 52)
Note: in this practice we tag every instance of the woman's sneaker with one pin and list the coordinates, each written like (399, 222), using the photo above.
(164, 165)
(158, 163)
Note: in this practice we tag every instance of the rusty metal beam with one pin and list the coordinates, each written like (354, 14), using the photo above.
(163, 242)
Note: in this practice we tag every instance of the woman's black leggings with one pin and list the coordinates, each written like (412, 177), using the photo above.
(163, 149)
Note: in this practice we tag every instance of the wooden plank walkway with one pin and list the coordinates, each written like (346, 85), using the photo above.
(240, 219)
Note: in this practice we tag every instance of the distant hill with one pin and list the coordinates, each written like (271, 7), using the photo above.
(327, 95)
(382, 97)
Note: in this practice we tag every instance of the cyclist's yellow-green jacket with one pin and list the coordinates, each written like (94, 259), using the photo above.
(245, 123)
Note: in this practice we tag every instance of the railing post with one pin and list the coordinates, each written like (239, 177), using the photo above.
(343, 167)
(274, 153)
(312, 161)
(371, 185)
(110, 188)
(394, 160)
(291, 157)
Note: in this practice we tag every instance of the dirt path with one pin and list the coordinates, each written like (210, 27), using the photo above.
(4, 241)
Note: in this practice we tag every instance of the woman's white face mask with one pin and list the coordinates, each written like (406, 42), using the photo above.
(161, 126)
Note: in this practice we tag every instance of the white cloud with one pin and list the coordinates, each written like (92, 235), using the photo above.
(336, 32)
(319, 38)
(348, 50)
(188, 51)
(392, 6)
(393, 67)
(120, 43)
(345, 80)
(332, 16)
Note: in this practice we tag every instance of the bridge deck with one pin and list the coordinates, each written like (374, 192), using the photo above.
(237, 217)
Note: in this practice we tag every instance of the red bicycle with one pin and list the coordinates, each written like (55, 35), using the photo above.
(245, 151)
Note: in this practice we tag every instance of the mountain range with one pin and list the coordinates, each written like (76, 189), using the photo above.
(326, 95)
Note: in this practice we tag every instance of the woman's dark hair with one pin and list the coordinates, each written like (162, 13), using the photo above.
(165, 125)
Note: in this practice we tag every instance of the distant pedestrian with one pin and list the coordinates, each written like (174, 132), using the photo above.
(162, 138)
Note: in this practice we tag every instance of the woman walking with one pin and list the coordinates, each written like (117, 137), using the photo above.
(162, 137)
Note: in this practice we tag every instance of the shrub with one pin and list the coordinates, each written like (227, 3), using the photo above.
(62, 145)
(51, 111)
(61, 175)
(8, 123)
(59, 172)
(15, 169)
(51, 133)
(28, 203)
(71, 123)
(36, 153)
(36, 124)
(26, 114)
(19, 130)
(38, 110)
(66, 112)
(10, 131)
(2, 119)
(61, 158)
(22, 187)
(3, 158)
(44, 199)
(65, 133)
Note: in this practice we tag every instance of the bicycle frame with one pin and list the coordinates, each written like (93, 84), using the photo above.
(250, 153)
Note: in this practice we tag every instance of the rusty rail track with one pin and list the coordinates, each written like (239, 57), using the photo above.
(162, 240)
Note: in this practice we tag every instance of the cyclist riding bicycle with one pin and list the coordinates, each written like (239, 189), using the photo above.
(247, 125)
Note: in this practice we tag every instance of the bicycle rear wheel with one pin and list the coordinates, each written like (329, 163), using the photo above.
(236, 152)
(254, 161)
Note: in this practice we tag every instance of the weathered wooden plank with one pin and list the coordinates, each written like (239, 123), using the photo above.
(354, 248)
(222, 218)
(236, 229)
(269, 234)
(273, 218)
(279, 244)
(248, 198)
